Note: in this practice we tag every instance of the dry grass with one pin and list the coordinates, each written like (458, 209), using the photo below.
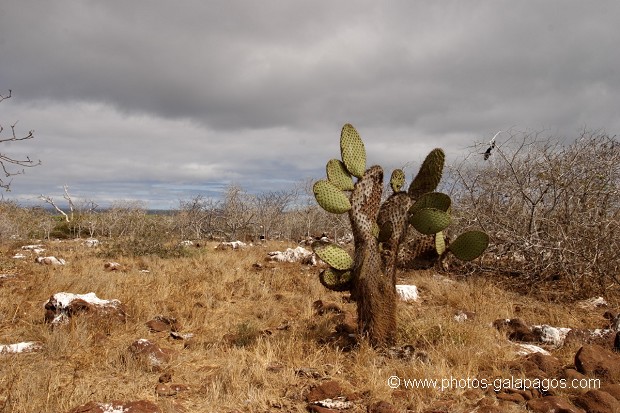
(218, 293)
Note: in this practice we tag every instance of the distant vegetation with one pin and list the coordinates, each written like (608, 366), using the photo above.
(552, 212)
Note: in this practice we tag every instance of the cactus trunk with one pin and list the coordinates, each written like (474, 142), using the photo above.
(375, 295)
(373, 289)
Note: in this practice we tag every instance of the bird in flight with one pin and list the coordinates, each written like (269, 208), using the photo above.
(487, 153)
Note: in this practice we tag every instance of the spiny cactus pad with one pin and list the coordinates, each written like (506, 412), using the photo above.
(397, 180)
(334, 255)
(338, 175)
(330, 198)
(435, 200)
(430, 221)
(429, 175)
(336, 280)
(440, 243)
(469, 245)
(352, 151)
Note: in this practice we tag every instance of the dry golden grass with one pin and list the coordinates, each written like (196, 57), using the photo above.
(218, 293)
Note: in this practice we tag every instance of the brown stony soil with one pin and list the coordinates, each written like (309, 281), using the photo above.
(227, 335)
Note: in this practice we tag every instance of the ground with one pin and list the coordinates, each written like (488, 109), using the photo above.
(248, 337)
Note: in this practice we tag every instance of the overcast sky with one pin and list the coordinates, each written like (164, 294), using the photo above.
(160, 100)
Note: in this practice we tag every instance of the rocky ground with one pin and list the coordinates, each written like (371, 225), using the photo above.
(231, 330)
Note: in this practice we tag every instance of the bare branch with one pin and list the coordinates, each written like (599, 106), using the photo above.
(6, 160)
(50, 201)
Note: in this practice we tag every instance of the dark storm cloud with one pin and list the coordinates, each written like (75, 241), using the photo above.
(189, 92)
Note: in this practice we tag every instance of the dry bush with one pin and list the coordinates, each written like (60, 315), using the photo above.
(551, 210)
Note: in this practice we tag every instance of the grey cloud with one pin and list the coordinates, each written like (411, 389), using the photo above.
(256, 92)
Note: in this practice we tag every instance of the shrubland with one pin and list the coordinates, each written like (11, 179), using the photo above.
(259, 342)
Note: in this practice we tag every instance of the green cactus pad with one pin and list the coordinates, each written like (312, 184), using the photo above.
(336, 280)
(435, 200)
(430, 221)
(429, 175)
(440, 243)
(352, 151)
(397, 180)
(469, 245)
(330, 198)
(334, 255)
(338, 175)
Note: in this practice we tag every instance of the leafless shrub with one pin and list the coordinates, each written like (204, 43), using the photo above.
(551, 210)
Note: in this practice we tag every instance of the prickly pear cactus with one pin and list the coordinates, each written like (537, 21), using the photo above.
(379, 229)
(336, 280)
(469, 245)
(330, 197)
(334, 255)
(352, 151)
(397, 180)
(338, 175)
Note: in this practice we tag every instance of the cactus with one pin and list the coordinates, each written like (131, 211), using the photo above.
(397, 180)
(380, 228)
(440, 243)
(336, 280)
(330, 198)
(352, 151)
(338, 175)
(469, 245)
(429, 175)
(334, 255)
(430, 221)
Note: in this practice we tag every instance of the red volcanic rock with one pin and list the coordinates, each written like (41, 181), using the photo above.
(552, 404)
(596, 401)
(154, 355)
(62, 306)
(596, 361)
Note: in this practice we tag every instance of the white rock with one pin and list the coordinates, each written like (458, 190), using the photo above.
(32, 247)
(50, 260)
(91, 242)
(593, 302)
(338, 403)
(552, 335)
(24, 347)
(460, 317)
(407, 292)
(233, 244)
(525, 349)
(19, 256)
(299, 254)
(60, 301)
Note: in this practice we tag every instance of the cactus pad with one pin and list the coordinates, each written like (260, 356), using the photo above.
(469, 245)
(429, 175)
(336, 280)
(333, 255)
(352, 151)
(397, 180)
(435, 200)
(430, 221)
(330, 198)
(338, 175)
(440, 243)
